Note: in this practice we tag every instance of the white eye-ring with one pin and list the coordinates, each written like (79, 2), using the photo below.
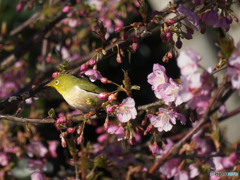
(56, 82)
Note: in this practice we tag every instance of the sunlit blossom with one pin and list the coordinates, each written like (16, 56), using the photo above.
(126, 110)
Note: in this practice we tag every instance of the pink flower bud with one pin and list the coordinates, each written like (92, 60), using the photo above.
(169, 35)
(105, 80)
(110, 109)
(80, 139)
(103, 95)
(61, 120)
(99, 130)
(170, 55)
(92, 61)
(63, 142)
(48, 59)
(163, 36)
(55, 74)
(149, 128)
(112, 97)
(106, 123)
(152, 21)
(119, 59)
(83, 67)
(71, 130)
(118, 29)
(165, 59)
(20, 7)
(170, 21)
(135, 46)
(79, 130)
(66, 9)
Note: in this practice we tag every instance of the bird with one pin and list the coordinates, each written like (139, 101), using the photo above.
(78, 93)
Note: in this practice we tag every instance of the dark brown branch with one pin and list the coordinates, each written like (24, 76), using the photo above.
(147, 106)
(230, 114)
(74, 118)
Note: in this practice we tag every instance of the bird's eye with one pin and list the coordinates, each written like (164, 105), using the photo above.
(56, 82)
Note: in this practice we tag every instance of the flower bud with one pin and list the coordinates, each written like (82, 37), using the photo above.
(55, 74)
(92, 61)
(112, 97)
(106, 123)
(169, 35)
(135, 46)
(170, 55)
(20, 7)
(110, 109)
(79, 130)
(103, 95)
(179, 43)
(187, 36)
(163, 36)
(165, 59)
(170, 21)
(118, 29)
(83, 67)
(104, 52)
(119, 59)
(61, 120)
(71, 130)
(63, 142)
(80, 139)
(66, 9)
(105, 80)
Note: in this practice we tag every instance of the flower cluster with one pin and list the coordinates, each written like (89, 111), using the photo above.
(196, 83)
(164, 88)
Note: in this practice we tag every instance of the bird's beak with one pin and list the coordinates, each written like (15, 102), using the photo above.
(49, 83)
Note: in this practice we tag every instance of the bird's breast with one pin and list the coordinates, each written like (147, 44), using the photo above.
(77, 98)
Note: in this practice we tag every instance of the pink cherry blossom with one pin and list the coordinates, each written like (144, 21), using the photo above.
(203, 145)
(37, 176)
(220, 163)
(93, 74)
(36, 148)
(163, 121)
(158, 76)
(193, 171)
(126, 110)
(168, 92)
(188, 62)
(118, 130)
(170, 168)
(52, 147)
(191, 18)
(3, 159)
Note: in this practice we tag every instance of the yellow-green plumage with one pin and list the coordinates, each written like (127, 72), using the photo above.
(77, 92)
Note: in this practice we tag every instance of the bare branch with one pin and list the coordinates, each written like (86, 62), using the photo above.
(74, 118)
